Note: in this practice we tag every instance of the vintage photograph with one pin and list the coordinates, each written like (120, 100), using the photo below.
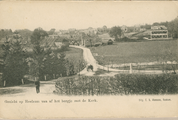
(62, 50)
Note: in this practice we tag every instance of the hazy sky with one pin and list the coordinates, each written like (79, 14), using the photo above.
(64, 15)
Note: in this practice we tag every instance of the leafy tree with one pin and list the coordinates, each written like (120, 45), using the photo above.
(39, 52)
(105, 29)
(146, 26)
(25, 33)
(51, 32)
(65, 42)
(15, 64)
(156, 24)
(5, 33)
(115, 32)
(173, 28)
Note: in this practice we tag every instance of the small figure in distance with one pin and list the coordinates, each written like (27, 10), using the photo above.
(90, 67)
(37, 83)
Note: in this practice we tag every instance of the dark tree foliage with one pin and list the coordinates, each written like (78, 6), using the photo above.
(51, 32)
(115, 32)
(39, 52)
(173, 28)
(15, 65)
(47, 62)
(62, 62)
(65, 42)
(25, 33)
(4, 33)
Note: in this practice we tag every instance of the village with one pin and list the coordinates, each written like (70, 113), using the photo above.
(81, 60)
(100, 36)
(88, 59)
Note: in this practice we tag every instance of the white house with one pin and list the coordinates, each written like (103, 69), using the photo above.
(158, 32)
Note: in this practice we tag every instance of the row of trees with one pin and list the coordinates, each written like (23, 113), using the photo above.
(40, 63)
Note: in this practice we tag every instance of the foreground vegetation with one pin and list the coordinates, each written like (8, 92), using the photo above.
(121, 84)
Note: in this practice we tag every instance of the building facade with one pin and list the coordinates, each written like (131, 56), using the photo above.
(158, 32)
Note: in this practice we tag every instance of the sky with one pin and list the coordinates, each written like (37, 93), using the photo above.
(81, 15)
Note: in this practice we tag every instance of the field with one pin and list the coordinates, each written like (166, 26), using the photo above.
(136, 52)
(74, 54)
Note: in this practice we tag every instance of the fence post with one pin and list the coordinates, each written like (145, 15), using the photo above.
(22, 81)
(92, 87)
(131, 68)
(4, 83)
(45, 77)
(163, 67)
(69, 86)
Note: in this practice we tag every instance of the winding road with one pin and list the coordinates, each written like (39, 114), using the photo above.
(47, 87)
(88, 57)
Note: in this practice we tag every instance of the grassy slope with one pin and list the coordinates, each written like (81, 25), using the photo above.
(133, 52)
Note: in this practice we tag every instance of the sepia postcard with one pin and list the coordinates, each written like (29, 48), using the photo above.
(88, 59)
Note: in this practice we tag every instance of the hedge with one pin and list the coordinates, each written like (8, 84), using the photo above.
(121, 84)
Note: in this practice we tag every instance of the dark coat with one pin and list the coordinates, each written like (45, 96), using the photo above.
(37, 83)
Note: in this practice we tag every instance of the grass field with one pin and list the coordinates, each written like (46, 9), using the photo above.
(135, 52)
(74, 54)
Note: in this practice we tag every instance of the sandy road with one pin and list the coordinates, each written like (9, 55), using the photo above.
(47, 87)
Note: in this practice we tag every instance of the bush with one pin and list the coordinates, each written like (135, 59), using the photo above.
(118, 85)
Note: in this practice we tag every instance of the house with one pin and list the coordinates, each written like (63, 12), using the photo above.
(88, 31)
(124, 28)
(72, 30)
(142, 29)
(158, 32)
(136, 28)
(54, 36)
(58, 44)
(105, 38)
(61, 32)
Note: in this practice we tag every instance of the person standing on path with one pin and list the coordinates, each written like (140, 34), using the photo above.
(37, 83)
